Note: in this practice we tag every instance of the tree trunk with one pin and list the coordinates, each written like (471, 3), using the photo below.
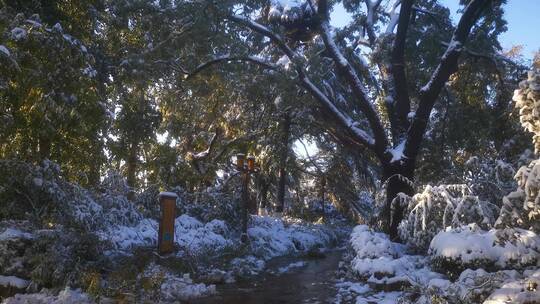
(44, 148)
(132, 169)
(286, 127)
(398, 176)
(263, 195)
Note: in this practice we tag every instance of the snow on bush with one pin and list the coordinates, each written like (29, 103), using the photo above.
(173, 287)
(468, 246)
(439, 207)
(521, 208)
(472, 286)
(42, 192)
(270, 237)
(192, 236)
(489, 179)
(384, 264)
(527, 98)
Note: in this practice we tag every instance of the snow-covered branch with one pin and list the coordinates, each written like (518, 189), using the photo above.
(447, 66)
(343, 119)
(358, 89)
(400, 92)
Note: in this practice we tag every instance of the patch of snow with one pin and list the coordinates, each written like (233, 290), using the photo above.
(66, 296)
(11, 233)
(397, 152)
(291, 266)
(510, 292)
(380, 298)
(382, 262)
(58, 27)
(168, 194)
(4, 50)
(18, 34)
(11, 281)
(269, 237)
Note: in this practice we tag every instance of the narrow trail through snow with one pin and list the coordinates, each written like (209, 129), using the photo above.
(312, 282)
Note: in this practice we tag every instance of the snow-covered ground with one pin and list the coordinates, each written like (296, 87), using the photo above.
(196, 241)
(384, 272)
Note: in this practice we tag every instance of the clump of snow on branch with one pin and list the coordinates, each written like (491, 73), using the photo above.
(439, 207)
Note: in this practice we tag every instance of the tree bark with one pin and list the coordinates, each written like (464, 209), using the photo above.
(286, 128)
(132, 168)
(44, 148)
(398, 176)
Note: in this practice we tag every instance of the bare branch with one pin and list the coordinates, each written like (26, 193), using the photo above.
(227, 58)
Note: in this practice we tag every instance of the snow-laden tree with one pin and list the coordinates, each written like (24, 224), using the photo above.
(439, 207)
(360, 76)
(522, 207)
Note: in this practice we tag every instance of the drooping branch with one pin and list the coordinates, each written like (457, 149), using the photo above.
(359, 91)
(447, 66)
(341, 118)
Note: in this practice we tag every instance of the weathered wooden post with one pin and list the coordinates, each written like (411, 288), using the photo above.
(167, 202)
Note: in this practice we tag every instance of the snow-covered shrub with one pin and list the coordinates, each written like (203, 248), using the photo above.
(209, 205)
(42, 192)
(66, 296)
(527, 98)
(173, 287)
(472, 286)
(517, 291)
(193, 237)
(439, 207)
(384, 264)
(521, 208)
(270, 237)
(455, 250)
(47, 257)
(489, 178)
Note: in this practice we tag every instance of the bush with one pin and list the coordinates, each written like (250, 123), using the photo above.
(439, 207)
(455, 250)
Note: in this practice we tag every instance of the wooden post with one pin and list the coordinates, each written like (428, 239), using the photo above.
(167, 202)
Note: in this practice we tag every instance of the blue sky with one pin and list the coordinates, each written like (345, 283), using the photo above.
(522, 16)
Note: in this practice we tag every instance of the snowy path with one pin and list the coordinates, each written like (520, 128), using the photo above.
(305, 281)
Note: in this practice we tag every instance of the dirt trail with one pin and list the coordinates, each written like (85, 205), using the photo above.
(311, 283)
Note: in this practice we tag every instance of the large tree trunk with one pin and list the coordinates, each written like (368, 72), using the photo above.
(286, 128)
(398, 176)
